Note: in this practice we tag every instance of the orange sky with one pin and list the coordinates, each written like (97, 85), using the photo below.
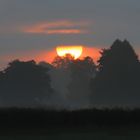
(51, 54)
(92, 52)
(48, 56)
(87, 51)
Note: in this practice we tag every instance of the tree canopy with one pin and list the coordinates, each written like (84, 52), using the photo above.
(81, 72)
(22, 83)
(118, 74)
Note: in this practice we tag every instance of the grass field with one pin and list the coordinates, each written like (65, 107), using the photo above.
(86, 133)
(30, 124)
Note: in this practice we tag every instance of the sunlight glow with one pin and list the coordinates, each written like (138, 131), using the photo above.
(75, 51)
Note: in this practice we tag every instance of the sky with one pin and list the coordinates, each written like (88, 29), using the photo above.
(31, 29)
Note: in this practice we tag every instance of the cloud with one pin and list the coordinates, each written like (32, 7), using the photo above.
(66, 31)
(57, 27)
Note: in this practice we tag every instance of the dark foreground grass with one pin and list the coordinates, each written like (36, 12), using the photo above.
(94, 124)
(76, 133)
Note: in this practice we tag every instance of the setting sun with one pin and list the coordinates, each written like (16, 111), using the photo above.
(75, 51)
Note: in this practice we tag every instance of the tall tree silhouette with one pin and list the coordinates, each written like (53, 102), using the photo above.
(60, 75)
(81, 72)
(73, 78)
(118, 77)
(24, 83)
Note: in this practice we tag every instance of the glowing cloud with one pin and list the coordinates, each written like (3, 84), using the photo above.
(66, 31)
(57, 27)
(75, 51)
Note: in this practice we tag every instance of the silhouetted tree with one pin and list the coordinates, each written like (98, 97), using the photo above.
(81, 72)
(24, 83)
(46, 65)
(61, 75)
(73, 78)
(62, 62)
(118, 77)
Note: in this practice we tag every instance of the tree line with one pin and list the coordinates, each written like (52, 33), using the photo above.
(113, 81)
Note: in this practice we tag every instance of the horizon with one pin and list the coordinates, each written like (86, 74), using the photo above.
(48, 57)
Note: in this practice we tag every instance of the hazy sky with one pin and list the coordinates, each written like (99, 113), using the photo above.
(30, 28)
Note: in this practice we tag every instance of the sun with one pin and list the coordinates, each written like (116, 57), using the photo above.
(75, 51)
